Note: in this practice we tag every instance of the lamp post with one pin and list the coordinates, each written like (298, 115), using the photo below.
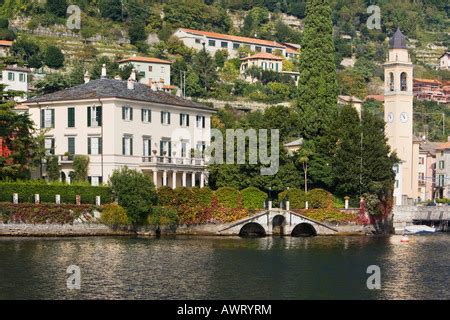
(287, 205)
(270, 198)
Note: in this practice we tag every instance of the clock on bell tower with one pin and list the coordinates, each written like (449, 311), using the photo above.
(398, 110)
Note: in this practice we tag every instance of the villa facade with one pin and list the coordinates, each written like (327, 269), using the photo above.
(152, 72)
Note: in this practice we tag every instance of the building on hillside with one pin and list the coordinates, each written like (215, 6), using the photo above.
(375, 97)
(213, 42)
(292, 50)
(124, 123)
(427, 169)
(153, 72)
(265, 61)
(5, 48)
(443, 170)
(16, 79)
(351, 100)
(432, 90)
(444, 61)
(398, 115)
(293, 146)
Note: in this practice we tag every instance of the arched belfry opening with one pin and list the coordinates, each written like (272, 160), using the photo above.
(391, 82)
(403, 81)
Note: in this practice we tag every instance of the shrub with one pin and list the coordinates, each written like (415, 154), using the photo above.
(4, 23)
(47, 191)
(42, 213)
(319, 198)
(114, 215)
(183, 196)
(80, 167)
(7, 34)
(162, 216)
(54, 58)
(297, 198)
(202, 196)
(166, 196)
(135, 191)
(228, 197)
(253, 198)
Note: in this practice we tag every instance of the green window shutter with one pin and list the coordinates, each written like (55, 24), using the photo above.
(123, 145)
(71, 117)
(89, 116)
(181, 119)
(142, 115)
(89, 145)
(53, 117)
(131, 146)
(131, 113)
(168, 117)
(123, 113)
(203, 121)
(162, 117)
(53, 146)
(161, 148)
(187, 120)
(170, 149)
(100, 145)
(42, 118)
(99, 115)
(71, 145)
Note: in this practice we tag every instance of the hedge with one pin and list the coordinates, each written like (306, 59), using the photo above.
(42, 213)
(253, 198)
(228, 197)
(319, 198)
(166, 196)
(114, 215)
(162, 216)
(202, 196)
(48, 191)
(297, 198)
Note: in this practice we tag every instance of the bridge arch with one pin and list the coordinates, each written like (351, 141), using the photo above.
(252, 229)
(278, 223)
(304, 230)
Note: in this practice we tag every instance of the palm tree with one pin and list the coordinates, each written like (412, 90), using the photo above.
(304, 155)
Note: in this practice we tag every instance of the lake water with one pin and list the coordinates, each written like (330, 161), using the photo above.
(225, 268)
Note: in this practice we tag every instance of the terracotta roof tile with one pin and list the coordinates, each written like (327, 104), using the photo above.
(145, 59)
(263, 55)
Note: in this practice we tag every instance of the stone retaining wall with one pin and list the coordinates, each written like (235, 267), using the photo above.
(59, 230)
(404, 215)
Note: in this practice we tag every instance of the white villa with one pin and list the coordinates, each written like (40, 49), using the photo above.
(213, 42)
(153, 72)
(16, 79)
(444, 61)
(124, 123)
(265, 61)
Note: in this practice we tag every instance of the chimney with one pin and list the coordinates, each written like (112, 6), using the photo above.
(103, 76)
(131, 80)
(87, 77)
(133, 74)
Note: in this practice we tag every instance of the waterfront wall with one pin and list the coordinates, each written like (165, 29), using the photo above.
(59, 230)
(404, 215)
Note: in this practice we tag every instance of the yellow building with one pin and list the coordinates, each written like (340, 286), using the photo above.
(398, 114)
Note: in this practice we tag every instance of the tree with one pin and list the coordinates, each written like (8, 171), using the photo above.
(53, 82)
(20, 146)
(136, 31)
(25, 49)
(80, 168)
(303, 157)
(317, 81)
(54, 58)
(205, 67)
(57, 7)
(111, 9)
(112, 68)
(220, 57)
(134, 191)
(53, 168)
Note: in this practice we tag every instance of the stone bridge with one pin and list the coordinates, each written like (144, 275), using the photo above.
(278, 222)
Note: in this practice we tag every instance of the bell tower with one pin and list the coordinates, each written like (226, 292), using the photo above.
(398, 112)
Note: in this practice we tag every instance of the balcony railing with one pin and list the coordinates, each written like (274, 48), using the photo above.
(66, 158)
(174, 160)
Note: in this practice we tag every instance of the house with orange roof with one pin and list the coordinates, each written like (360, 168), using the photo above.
(5, 47)
(213, 41)
(431, 90)
(153, 72)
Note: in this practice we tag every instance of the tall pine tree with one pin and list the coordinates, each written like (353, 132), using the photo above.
(317, 83)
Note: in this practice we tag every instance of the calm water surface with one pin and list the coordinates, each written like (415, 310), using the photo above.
(225, 268)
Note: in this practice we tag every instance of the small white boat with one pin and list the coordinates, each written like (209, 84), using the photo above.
(415, 229)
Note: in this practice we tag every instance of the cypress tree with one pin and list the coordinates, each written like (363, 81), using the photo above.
(317, 82)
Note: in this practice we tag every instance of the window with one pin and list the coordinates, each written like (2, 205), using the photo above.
(184, 120)
(49, 146)
(258, 48)
(421, 177)
(95, 146)
(141, 74)
(396, 168)
(421, 160)
(147, 146)
(269, 50)
(403, 82)
(95, 180)
(183, 149)
(162, 69)
(127, 146)
(165, 148)
(271, 65)
(396, 183)
(146, 115)
(127, 113)
(441, 164)
(22, 77)
(264, 65)
(197, 40)
(236, 46)
(441, 180)
(48, 118)
(391, 81)
(212, 43)
(150, 68)
(201, 146)
(71, 117)
(224, 44)
(10, 76)
(200, 121)
(71, 145)
(94, 115)
(165, 117)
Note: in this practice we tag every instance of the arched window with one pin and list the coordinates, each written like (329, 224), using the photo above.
(391, 81)
(403, 83)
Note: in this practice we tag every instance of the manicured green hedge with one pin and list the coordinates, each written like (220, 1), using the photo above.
(42, 213)
(253, 198)
(319, 198)
(228, 197)
(203, 196)
(297, 198)
(48, 191)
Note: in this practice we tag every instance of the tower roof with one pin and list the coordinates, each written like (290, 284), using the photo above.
(398, 40)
